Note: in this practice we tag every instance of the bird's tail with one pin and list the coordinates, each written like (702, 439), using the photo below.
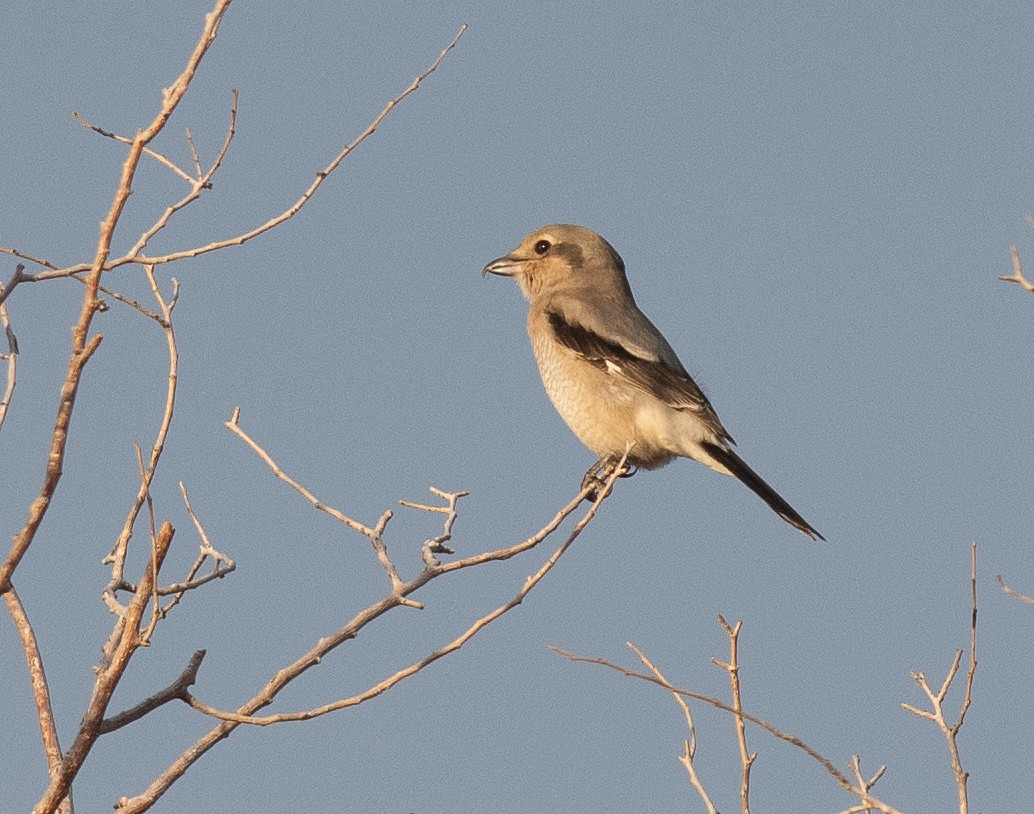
(739, 469)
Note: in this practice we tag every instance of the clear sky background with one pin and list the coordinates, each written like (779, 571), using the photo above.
(813, 203)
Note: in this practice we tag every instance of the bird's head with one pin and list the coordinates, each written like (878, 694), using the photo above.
(561, 256)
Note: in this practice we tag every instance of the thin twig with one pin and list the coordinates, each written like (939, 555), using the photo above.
(1013, 593)
(856, 770)
(233, 425)
(117, 557)
(11, 356)
(437, 545)
(327, 644)
(246, 712)
(845, 782)
(177, 690)
(936, 699)
(288, 213)
(221, 564)
(161, 159)
(690, 744)
(732, 667)
(1017, 272)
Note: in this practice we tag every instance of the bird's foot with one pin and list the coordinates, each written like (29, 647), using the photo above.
(599, 473)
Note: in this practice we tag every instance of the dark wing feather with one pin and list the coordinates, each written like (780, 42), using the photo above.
(653, 376)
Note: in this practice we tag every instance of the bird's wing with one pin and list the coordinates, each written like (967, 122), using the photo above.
(634, 363)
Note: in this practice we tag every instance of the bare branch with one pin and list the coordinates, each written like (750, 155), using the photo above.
(38, 676)
(288, 213)
(1013, 593)
(221, 564)
(1017, 272)
(690, 745)
(233, 425)
(161, 159)
(936, 699)
(246, 713)
(198, 185)
(83, 345)
(732, 667)
(437, 545)
(117, 557)
(118, 650)
(349, 631)
(856, 769)
(177, 690)
(11, 357)
(845, 782)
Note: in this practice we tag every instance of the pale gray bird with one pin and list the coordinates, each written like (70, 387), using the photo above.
(609, 372)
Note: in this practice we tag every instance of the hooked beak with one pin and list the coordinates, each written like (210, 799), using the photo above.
(506, 266)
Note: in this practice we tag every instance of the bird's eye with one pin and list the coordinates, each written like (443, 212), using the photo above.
(542, 247)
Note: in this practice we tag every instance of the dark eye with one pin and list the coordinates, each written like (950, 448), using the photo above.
(542, 247)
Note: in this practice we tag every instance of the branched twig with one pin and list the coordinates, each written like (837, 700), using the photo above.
(847, 783)
(202, 182)
(856, 770)
(38, 676)
(437, 545)
(1013, 593)
(117, 651)
(246, 712)
(177, 690)
(221, 564)
(732, 667)
(275, 221)
(936, 699)
(126, 635)
(1017, 272)
(11, 356)
(233, 425)
(161, 159)
(117, 557)
(690, 744)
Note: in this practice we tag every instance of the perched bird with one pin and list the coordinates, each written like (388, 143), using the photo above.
(609, 372)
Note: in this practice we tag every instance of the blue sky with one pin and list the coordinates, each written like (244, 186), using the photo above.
(813, 204)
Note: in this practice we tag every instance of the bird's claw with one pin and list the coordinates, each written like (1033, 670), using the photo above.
(599, 473)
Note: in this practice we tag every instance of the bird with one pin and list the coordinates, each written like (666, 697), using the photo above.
(611, 375)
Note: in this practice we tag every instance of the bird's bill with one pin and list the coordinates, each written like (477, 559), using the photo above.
(506, 266)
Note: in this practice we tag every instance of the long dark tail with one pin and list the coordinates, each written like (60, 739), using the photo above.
(736, 465)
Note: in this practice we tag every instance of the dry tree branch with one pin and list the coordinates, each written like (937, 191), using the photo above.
(125, 638)
(129, 631)
(233, 425)
(177, 690)
(732, 667)
(420, 664)
(38, 676)
(117, 557)
(437, 545)
(118, 650)
(161, 159)
(1017, 272)
(689, 745)
(202, 182)
(845, 782)
(11, 357)
(245, 713)
(221, 564)
(936, 699)
(1012, 592)
(321, 176)
(856, 769)
(84, 345)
